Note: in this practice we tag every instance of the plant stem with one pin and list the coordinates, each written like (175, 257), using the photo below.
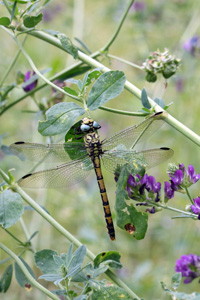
(125, 61)
(12, 64)
(26, 272)
(123, 112)
(113, 38)
(33, 66)
(64, 232)
(7, 6)
(164, 206)
(187, 192)
(137, 92)
(14, 237)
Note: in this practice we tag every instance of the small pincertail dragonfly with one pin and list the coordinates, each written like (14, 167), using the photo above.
(79, 158)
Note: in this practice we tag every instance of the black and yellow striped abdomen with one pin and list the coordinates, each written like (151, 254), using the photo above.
(94, 149)
(104, 197)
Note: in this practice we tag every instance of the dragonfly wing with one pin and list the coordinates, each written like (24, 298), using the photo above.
(150, 158)
(136, 133)
(62, 176)
(50, 153)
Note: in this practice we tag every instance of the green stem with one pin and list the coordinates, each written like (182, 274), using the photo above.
(68, 235)
(137, 92)
(125, 61)
(14, 237)
(123, 112)
(12, 64)
(188, 194)
(26, 272)
(7, 6)
(113, 38)
(64, 232)
(33, 66)
(164, 206)
(128, 86)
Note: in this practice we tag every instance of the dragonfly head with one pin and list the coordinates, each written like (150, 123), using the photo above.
(89, 125)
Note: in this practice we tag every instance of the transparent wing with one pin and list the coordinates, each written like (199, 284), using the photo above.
(134, 134)
(62, 176)
(49, 153)
(150, 158)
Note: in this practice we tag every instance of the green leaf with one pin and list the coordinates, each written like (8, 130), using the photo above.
(111, 258)
(128, 218)
(80, 85)
(90, 76)
(140, 221)
(176, 280)
(70, 91)
(75, 72)
(5, 21)
(32, 21)
(6, 279)
(11, 208)
(144, 99)
(78, 257)
(21, 278)
(60, 118)
(81, 297)
(44, 260)
(58, 261)
(108, 86)
(89, 272)
(59, 292)
(67, 45)
(70, 136)
(33, 235)
(160, 102)
(108, 291)
(179, 295)
(83, 45)
(67, 256)
(51, 277)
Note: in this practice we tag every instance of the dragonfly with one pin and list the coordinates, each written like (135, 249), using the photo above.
(75, 159)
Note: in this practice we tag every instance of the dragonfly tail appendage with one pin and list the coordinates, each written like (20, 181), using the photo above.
(105, 202)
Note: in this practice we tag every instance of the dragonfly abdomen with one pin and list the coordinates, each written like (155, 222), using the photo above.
(104, 197)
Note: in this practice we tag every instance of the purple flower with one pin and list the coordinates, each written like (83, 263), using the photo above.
(144, 188)
(169, 192)
(196, 207)
(138, 6)
(189, 266)
(182, 177)
(32, 85)
(151, 211)
(192, 45)
(50, 13)
(191, 173)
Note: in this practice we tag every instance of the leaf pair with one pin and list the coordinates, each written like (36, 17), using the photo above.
(61, 116)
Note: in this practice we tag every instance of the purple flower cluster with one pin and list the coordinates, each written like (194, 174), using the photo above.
(193, 45)
(32, 85)
(180, 178)
(189, 266)
(143, 189)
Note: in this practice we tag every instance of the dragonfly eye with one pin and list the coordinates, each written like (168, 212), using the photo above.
(96, 125)
(85, 127)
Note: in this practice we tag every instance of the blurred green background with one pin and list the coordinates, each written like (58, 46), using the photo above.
(155, 25)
